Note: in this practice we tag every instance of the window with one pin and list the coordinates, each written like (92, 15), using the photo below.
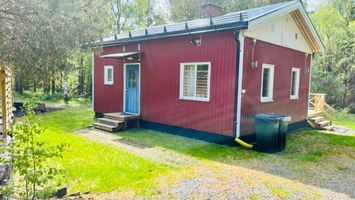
(267, 83)
(295, 83)
(195, 81)
(108, 75)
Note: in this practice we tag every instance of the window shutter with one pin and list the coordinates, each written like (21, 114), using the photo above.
(202, 81)
(189, 80)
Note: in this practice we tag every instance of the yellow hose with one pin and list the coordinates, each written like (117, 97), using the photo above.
(244, 144)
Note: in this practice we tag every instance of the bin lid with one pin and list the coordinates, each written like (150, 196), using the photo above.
(267, 117)
(281, 116)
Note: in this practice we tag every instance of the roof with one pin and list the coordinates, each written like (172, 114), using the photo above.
(237, 20)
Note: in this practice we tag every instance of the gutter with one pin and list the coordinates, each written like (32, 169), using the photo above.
(214, 28)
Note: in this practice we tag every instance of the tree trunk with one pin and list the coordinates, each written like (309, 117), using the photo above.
(18, 85)
(53, 85)
(35, 86)
(46, 87)
(81, 75)
(65, 88)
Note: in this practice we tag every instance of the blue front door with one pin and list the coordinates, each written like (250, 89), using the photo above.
(132, 88)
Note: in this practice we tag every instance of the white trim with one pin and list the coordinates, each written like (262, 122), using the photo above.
(106, 81)
(297, 89)
(240, 82)
(295, 5)
(93, 82)
(309, 81)
(271, 83)
(124, 88)
(181, 91)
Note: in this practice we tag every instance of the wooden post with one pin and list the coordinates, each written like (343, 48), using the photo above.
(3, 101)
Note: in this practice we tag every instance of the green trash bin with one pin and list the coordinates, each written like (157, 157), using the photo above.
(267, 129)
(283, 126)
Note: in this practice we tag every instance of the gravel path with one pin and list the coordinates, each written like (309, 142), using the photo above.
(154, 153)
(341, 130)
(207, 179)
(222, 181)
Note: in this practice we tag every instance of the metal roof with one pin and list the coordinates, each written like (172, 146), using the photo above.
(233, 20)
(121, 55)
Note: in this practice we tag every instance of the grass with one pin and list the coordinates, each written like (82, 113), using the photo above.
(52, 100)
(346, 119)
(93, 166)
(101, 168)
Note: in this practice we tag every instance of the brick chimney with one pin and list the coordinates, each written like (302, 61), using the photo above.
(211, 8)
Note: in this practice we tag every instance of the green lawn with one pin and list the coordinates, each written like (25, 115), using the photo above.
(345, 119)
(93, 166)
(101, 168)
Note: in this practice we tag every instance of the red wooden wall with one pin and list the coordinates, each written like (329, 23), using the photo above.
(283, 59)
(160, 79)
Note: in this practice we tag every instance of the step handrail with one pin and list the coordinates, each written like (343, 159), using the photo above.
(318, 102)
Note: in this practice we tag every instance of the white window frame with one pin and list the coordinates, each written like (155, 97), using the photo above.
(271, 83)
(106, 81)
(181, 95)
(297, 88)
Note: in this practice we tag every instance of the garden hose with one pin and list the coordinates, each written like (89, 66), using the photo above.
(244, 144)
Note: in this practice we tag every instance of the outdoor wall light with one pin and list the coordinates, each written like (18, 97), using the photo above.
(196, 41)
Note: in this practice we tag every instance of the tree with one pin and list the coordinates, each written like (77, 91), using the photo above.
(50, 32)
(185, 10)
(334, 69)
(30, 155)
(127, 15)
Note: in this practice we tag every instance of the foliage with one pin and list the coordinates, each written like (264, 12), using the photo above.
(127, 15)
(30, 156)
(344, 118)
(334, 69)
(185, 10)
(55, 31)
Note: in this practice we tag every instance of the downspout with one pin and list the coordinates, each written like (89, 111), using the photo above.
(239, 38)
(93, 81)
(236, 85)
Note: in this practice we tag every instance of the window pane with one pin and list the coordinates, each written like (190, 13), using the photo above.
(266, 76)
(202, 81)
(189, 80)
(293, 83)
(109, 74)
(132, 82)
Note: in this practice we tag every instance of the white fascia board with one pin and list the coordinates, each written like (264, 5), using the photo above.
(311, 27)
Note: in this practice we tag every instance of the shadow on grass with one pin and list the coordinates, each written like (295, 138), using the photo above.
(311, 157)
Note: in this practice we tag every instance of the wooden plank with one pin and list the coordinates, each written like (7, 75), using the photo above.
(306, 32)
(4, 111)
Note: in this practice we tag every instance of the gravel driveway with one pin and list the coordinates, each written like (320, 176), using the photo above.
(196, 178)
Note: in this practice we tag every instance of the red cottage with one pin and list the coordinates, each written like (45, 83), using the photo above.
(208, 77)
